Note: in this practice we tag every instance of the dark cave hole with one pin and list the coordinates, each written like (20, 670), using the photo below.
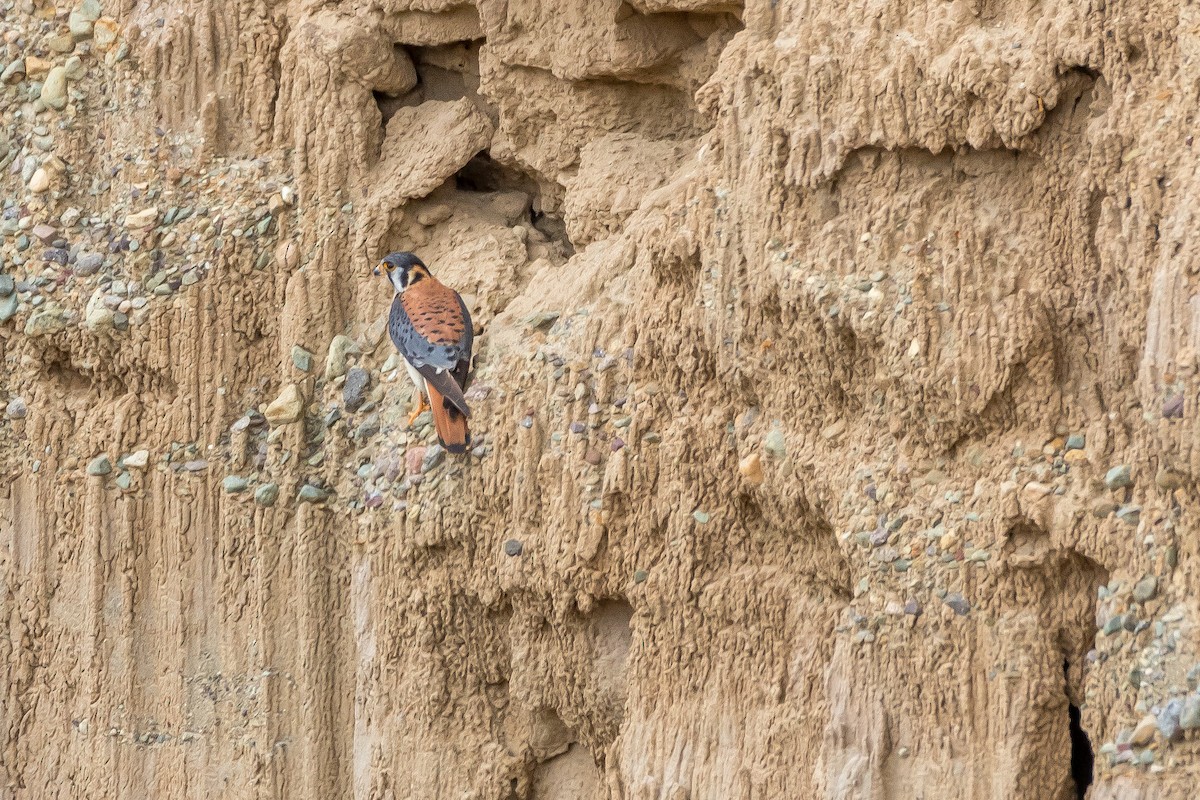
(1083, 759)
(484, 174)
(388, 105)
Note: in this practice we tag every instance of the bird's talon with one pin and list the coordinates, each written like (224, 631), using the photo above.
(422, 407)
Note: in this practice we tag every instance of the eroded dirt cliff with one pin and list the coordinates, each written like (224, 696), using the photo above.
(835, 402)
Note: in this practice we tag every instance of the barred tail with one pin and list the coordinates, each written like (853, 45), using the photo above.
(449, 422)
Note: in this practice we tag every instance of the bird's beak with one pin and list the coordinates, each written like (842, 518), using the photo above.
(375, 272)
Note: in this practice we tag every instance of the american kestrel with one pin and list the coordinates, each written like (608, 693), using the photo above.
(431, 327)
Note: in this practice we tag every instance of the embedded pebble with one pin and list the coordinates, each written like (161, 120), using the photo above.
(100, 465)
(1145, 589)
(1130, 514)
(1189, 716)
(40, 181)
(267, 494)
(957, 603)
(234, 484)
(311, 494)
(1144, 732)
(354, 392)
(367, 428)
(88, 264)
(15, 408)
(1118, 477)
(414, 459)
(1173, 407)
(774, 443)
(54, 90)
(301, 358)
(434, 455)
(138, 459)
(286, 408)
(1168, 720)
(751, 468)
(513, 548)
(335, 361)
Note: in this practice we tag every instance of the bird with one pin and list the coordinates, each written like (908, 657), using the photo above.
(431, 327)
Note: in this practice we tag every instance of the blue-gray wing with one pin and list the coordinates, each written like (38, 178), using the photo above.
(443, 362)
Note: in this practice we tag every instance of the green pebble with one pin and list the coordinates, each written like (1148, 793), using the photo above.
(234, 484)
(311, 494)
(1118, 477)
(301, 358)
(267, 494)
(100, 465)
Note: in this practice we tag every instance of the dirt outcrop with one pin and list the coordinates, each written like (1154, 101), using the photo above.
(831, 403)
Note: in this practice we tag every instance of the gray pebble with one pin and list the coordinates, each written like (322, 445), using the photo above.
(100, 465)
(267, 494)
(89, 264)
(513, 548)
(958, 604)
(774, 443)
(7, 286)
(16, 408)
(311, 494)
(1118, 477)
(302, 358)
(234, 484)
(368, 428)
(358, 380)
(1145, 589)
(1173, 407)
(434, 455)
(1189, 716)
(1130, 514)
(1168, 720)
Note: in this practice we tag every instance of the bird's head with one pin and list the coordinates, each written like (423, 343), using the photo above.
(402, 270)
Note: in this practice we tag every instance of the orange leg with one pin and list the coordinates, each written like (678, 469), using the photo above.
(422, 406)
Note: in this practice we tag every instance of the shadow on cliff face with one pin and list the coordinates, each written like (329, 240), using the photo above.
(1067, 583)
(445, 73)
(1082, 755)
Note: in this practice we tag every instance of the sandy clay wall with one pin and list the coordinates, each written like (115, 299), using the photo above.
(835, 402)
